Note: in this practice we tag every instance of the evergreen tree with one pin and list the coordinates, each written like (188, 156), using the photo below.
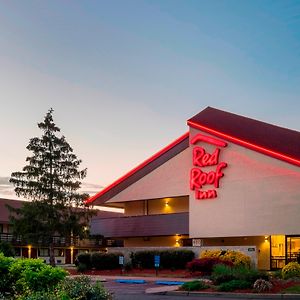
(51, 180)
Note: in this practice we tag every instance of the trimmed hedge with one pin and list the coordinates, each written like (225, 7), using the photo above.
(84, 259)
(98, 261)
(105, 261)
(169, 259)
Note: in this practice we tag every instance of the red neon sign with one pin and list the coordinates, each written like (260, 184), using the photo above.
(199, 178)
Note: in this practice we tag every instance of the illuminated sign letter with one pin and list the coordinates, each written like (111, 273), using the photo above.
(201, 159)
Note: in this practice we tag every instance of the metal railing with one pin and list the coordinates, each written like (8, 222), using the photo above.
(60, 241)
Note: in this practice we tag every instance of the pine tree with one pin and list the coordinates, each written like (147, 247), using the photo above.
(51, 180)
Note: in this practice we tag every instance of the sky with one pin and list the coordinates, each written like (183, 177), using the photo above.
(123, 76)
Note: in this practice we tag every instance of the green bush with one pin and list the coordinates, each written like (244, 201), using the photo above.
(222, 274)
(45, 295)
(291, 270)
(5, 280)
(81, 267)
(105, 261)
(7, 249)
(234, 285)
(195, 285)
(31, 275)
(84, 258)
(81, 288)
(250, 275)
(169, 259)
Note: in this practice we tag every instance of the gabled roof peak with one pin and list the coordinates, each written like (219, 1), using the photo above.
(279, 142)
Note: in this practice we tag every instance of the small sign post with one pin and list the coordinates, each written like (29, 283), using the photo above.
(121, 263)
(156, 263)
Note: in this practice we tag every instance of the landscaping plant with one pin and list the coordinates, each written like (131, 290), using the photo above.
(205, 265)
(223, 273)
(31, 275)
(169, 259)
(234, 285)
(291, 270)
(5, 281)
(261, 285)
(195, 285)
(238, 258)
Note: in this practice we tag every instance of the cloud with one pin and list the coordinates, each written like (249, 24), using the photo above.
(7, 189)
(90, 188)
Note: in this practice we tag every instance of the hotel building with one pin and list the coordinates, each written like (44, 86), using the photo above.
(229, 181)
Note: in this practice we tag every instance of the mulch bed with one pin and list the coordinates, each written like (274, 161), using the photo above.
(136, 272)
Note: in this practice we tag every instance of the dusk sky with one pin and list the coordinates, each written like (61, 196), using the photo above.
(124, 76)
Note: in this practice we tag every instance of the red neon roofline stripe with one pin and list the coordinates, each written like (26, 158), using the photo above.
(246, 144)
(208, 139)
(140, 166)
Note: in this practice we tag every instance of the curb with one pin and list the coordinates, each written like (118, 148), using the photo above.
(232, 295)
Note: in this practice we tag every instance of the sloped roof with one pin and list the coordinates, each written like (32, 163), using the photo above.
(272, 140)
(279, 142)
(141, 170)
(4, 212)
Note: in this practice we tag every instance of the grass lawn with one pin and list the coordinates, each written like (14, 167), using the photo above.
(292, 290)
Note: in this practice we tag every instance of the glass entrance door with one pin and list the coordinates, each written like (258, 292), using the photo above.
(293, 248)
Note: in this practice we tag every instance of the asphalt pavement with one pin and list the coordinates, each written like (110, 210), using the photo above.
(149, 290)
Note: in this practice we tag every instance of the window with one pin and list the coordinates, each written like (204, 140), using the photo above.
(59, 252)
(43, 252)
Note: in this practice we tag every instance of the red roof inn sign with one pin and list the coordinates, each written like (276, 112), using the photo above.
(201, 160)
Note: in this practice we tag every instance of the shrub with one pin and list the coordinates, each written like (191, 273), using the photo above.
(81, 288)
(291, 270)
(105, 261)
(45, 295)
(250, 275)
(195, 285)
(83, 258)
(205, 265)
(128, 266)
(261, 285)
(169, 259)
(44, 279)
(81, 267)
(234, 285)
(5, 282)
(175, 259)
(236, 257)
(222, 273)
(31, 275)
(7, 249)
